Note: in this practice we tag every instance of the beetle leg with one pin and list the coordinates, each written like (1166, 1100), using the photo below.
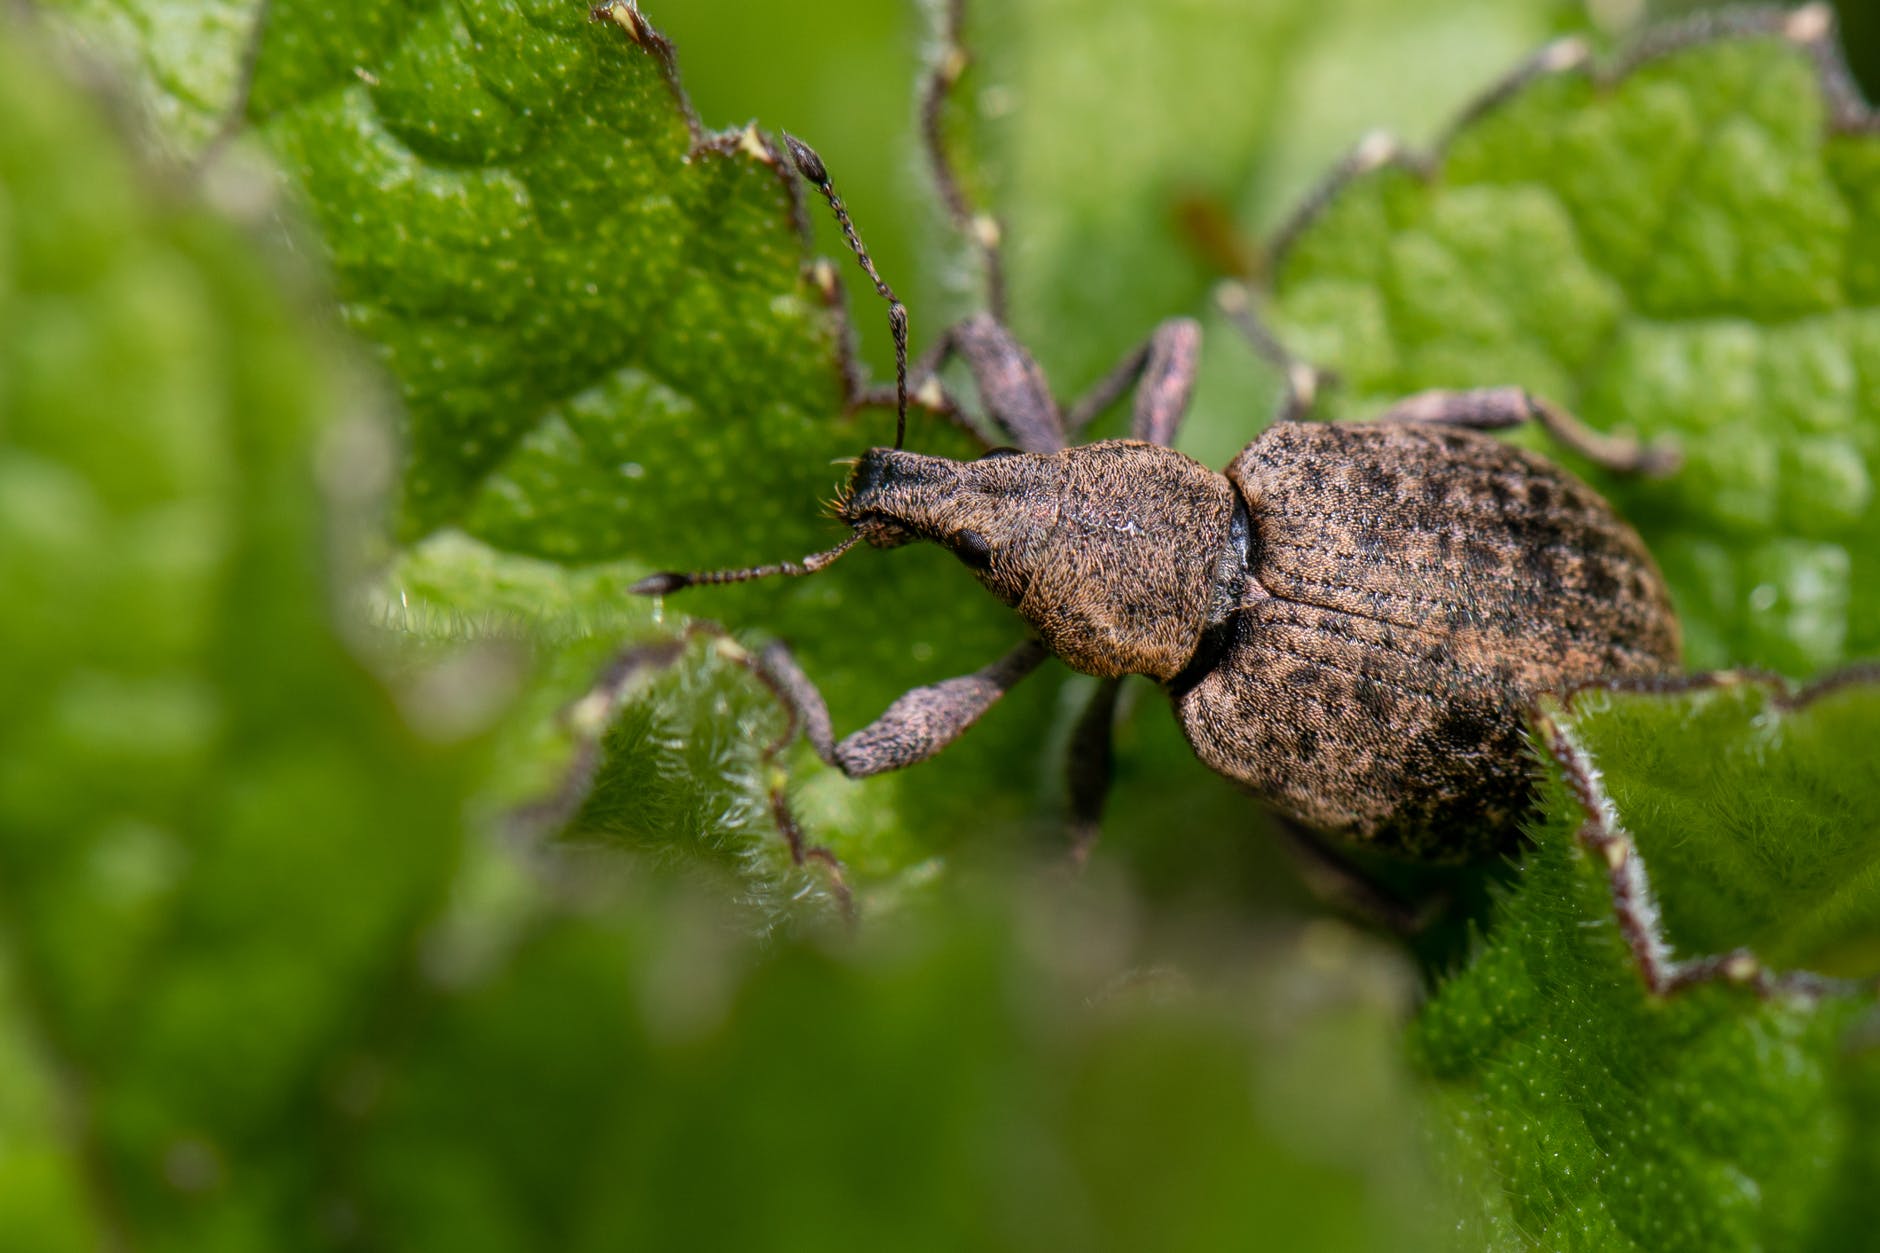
(1162, 370)
(1336, 881)
(1498, 408)
(1011, 386)
(947, 61)
(1303, 379)
(915, 727)
(1089, 762)
(1010, 383)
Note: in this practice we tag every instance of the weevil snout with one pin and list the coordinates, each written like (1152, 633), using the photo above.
(1108, 550)
(888, 500)
(994, 513)
(882, 470)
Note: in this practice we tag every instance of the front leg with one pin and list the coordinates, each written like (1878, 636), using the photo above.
(1011, 386)
(1498, 408)
(915, 727)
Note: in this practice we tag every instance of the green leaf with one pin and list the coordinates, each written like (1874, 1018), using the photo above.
(1627, 1051)
(1681, 252)
(1761, 816)
(217, 837)
(999, 1076)
(1122, 139)
(612, 351)
(548, 258)
(181, 61)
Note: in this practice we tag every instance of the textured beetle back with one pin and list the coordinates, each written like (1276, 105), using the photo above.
(1440, 528)
(1410, 589)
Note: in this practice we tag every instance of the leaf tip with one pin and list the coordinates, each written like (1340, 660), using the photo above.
(1810, 24)
(1377, 149)
(625, 14)
(1564, 54)
(752, 144)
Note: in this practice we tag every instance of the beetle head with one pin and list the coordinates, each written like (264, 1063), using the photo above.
(1109, 550)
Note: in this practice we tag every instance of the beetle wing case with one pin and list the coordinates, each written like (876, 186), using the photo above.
(1409, 590)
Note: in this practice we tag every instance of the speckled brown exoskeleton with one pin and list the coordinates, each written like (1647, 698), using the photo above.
(1350, 620)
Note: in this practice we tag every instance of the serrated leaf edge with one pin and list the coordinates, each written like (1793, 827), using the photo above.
(586, 719)
(1811, 28)
(1603, 835)
(753, 143)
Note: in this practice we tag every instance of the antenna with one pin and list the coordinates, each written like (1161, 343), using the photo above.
(811, 167)
(672, 581)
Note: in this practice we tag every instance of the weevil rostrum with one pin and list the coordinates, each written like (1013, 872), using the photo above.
(1350, 620)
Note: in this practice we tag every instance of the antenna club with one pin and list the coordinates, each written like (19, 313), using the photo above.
(659, 584)
(807, 162)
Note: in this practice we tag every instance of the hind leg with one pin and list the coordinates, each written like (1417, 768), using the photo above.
(1500, 408)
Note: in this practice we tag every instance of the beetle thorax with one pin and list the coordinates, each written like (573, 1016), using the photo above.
(1108, 550)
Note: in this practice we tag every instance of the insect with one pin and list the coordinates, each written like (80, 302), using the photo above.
(1350, 621)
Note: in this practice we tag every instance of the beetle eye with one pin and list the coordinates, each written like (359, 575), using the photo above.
(1003, 450)
(972, 548)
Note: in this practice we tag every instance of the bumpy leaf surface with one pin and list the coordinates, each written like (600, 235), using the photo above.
(1734, 1111)
(1684, 253)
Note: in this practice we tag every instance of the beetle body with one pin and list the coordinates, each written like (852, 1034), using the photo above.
(1351, 621)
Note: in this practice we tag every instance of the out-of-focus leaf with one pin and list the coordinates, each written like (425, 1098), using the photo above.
(990, 1079)
(216, 836)
(183, 61)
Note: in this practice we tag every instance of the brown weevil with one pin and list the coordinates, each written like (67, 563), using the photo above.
(1350, 621)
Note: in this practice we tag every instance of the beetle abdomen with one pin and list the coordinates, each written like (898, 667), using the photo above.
(1410, 589)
